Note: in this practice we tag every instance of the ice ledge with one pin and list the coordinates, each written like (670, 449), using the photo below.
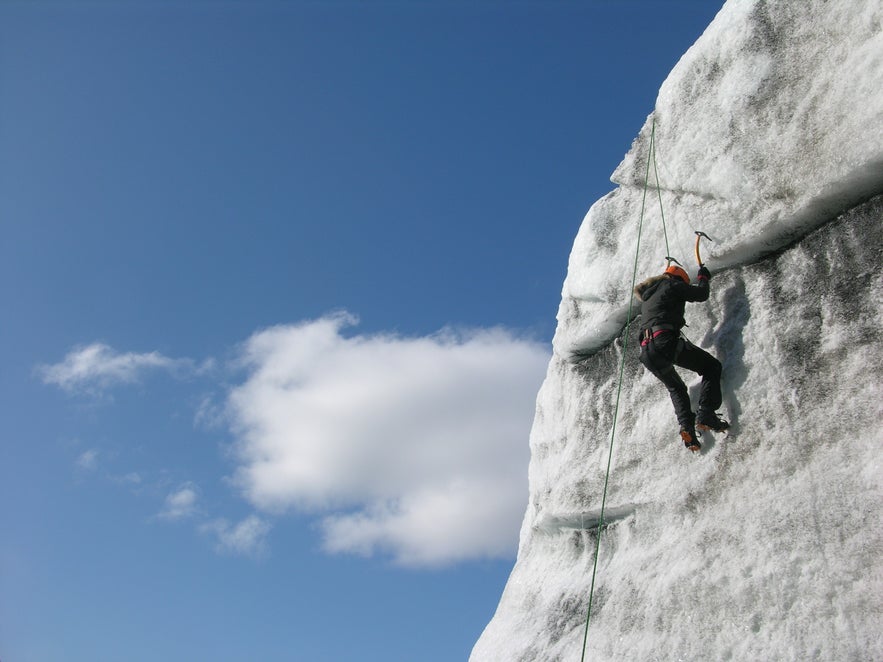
(587, 521)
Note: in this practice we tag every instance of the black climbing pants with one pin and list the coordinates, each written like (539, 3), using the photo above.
(660, 356)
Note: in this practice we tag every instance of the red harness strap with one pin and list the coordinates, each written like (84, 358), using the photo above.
(650, 336)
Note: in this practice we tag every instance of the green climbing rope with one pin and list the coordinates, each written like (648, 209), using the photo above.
(625, 344)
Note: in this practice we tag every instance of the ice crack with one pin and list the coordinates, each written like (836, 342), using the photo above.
(585, 521)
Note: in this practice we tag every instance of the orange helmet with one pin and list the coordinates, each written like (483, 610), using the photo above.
(675, 270)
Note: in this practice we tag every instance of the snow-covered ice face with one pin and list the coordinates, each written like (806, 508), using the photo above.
(767, 138)
(763, 131)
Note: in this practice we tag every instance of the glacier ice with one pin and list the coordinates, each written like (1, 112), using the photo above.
(769, 126)
(767, 545)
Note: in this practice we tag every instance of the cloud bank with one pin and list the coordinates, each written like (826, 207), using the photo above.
(415, 447)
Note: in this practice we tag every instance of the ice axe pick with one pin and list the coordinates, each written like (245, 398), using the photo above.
(699, 236)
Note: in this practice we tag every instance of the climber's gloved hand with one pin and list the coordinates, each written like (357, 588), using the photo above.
(704, 273)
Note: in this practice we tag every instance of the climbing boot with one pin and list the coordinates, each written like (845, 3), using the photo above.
(691, 441)
(708, 420)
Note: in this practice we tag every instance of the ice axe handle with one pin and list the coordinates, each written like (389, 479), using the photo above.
(699, 236)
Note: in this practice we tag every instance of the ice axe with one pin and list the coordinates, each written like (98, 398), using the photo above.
(699, 236)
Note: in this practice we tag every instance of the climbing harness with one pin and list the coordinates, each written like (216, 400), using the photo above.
(651, 158)
(654, 331)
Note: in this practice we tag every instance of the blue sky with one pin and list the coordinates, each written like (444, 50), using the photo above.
(280, 282)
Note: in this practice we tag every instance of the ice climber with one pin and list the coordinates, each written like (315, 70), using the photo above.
(663, 299)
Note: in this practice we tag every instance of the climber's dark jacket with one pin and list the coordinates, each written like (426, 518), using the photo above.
(663, 299)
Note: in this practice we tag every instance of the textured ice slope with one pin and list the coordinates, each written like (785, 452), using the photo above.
(770, 125)
(769, 544)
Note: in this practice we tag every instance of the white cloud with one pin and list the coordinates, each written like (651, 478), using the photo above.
(417, 447)
(247, 538)
(442, 524)
(131, 478)
(209, 414)
(98, 366)
(88, 460)
(181, 503)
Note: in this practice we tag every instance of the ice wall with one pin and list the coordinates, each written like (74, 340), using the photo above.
(769, 126)
(769, 544)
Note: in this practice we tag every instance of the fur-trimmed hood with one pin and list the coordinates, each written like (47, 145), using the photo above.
(641, 287)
